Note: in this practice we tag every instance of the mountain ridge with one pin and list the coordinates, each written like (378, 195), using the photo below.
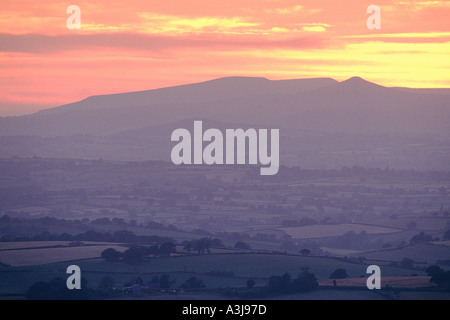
(316, 104)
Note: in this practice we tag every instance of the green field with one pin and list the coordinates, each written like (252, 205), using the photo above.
(321, 231)
(425, 252)
(243, 266)
(37, 256)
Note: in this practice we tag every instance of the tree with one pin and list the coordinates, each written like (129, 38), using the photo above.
(250, 283)
(56, 289)
(242, 245)
(306, 281)
(305, 252)
(200, 245)
(193, 283)
(420, 238)
(38, 291)
(339, 274)
(124, 236)
(187, 245)
(134, 255)
(279, 284)
(165, 282)
(5, 219)
(216, 242)
(167, 248)
(439, 276)
(447, 235)
(111, 255)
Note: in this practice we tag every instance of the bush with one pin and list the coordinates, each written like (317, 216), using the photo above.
(250, 283)
(306, 281)
(111, 255)
(339, 274)
(439, 276)
(193, 283)
(134, 255)
(56, 289)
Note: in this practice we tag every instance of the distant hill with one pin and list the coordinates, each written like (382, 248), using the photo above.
(323, 122)
(310, 104)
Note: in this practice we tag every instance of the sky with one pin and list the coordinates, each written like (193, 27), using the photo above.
(135, 45)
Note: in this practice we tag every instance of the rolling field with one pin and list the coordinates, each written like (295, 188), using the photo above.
(424, 252)
(423, 223)
(397, 282)
(31, 257)
(243, 266)
(321, 231)
(250, 265)
(41, 244)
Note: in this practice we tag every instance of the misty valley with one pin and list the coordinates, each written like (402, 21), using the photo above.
(221, 231)
(362, 179)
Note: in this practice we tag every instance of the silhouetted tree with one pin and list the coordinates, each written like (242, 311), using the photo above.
(167, 248)
(250, 283)
(339, 274)
(193, 283)
(134, 255)
(165, 282)
(439, 276)
(306, 281)
(447, 235)
(56, 289)
(279, 284)
(305, 252)
(111, 255)
(242, 245)
(420, 238)
(187, 245)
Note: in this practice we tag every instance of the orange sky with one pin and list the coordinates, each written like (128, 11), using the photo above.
(138, 45)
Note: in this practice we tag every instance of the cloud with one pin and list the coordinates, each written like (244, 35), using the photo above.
(288, 10)
(43, 44)
(420, 5)
(314, 29)
(406, 37)
(171, 24)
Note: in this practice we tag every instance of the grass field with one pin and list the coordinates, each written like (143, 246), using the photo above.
(31, 257)
(423, 223)
(425, 252)
(396, 282)
(41, 244)
(243, 266)
(341, 252)
(321, 231)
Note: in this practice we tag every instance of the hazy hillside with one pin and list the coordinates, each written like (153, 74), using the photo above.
(324, 123)
(310, 104)
(118, 112)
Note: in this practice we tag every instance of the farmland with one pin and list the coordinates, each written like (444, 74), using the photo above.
(238, 266)
(55, 212)
(323, 231)
(30, 257)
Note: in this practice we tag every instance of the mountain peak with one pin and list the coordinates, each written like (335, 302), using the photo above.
(358, 82)
(354, 79)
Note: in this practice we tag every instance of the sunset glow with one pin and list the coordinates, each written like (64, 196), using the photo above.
(139, 45)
